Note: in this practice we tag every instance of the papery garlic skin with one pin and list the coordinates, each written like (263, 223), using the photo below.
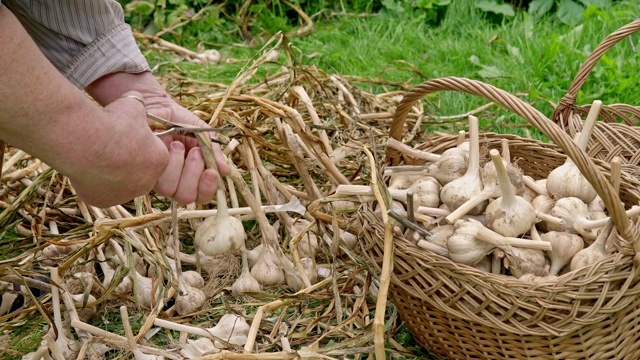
(266, 271)
(567, 181)
(570, 210)
(459, 191)
(215, 238)
(563, 247)
(193, 278)
(526, 261)
(451, 165)
(220, 234)
(200, 347)
(230, 326)
(192, 300)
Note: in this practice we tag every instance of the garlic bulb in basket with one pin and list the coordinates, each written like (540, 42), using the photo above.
(509, 215)
(471, 241)
(460, 190)
(567, 180)
(563, 247)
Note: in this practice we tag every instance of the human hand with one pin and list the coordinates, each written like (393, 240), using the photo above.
(185, 178)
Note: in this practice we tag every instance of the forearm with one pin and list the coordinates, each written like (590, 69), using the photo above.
(39, 107)
(44, 114)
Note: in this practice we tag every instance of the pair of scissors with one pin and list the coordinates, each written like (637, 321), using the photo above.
(170, 128)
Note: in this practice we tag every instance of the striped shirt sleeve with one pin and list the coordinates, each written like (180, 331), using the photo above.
(84, 39)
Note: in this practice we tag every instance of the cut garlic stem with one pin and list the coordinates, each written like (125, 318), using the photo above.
(592, 116)
(293, 205)
(584, 223)
(533, 185)
(408, 150)
(461, 137)
(366, 190)
(432, 211)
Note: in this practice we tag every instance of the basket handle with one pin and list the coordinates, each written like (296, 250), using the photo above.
(568, 101)
(586, 165)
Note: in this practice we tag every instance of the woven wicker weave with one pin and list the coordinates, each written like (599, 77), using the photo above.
(463, 313)
(609, 137)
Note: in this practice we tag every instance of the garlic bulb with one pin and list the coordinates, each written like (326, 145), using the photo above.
(125, 285)
(526, 261)
(440, 235)
(533, 187)
(567, 180)
(596, 209)
(491, 187)
(308, 244)
(231, 328)
(594, 252)
(222, 233)
(266, 270)
(563, 247)
(471, 241)
(193, 279)
(293, 278)
(245, 283)
(144, 290)
(567, 211)
(86, 313)
(189, 299)
(509, 215)
(403, 181)
(460, 190)
(426, 192)
(449, 166)
(542, 204)
(254, 254)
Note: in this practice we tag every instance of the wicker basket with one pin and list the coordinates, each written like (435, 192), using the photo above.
(463, 313)
(610, 138)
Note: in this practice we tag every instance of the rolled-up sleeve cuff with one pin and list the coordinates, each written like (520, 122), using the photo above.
(114, 51)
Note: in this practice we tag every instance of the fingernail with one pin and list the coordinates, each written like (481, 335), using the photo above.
(196, 154)
(177, 146)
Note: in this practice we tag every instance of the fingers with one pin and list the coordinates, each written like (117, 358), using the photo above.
(168, 182)
(185, 178)
(187, 191)
(207, 186)
(223, 166)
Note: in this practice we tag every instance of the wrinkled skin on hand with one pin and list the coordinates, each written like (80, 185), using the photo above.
(185, 178)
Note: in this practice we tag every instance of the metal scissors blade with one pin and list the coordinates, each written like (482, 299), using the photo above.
(171, 128)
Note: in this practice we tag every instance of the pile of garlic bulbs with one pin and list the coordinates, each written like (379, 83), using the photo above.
(495, 218)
